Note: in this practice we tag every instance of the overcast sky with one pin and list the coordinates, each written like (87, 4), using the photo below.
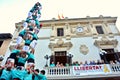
(13, 11)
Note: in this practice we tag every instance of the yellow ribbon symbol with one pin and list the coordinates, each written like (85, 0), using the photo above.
(106, 68)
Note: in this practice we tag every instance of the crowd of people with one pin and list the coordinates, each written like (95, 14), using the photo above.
(76, 63)
(15, 67)
(8, 72)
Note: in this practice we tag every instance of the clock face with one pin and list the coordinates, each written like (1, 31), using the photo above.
(79, 29)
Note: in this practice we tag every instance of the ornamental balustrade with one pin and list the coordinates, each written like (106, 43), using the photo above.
(87, 71)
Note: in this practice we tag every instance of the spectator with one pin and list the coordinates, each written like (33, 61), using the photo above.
(58, 64)
(116, 62)
(76, 63)
(52, 64)
(98, 62)
(61, 65)
(81, 63)
(67, 65)
(102, 61)
(111, 62)
(73, 64)
(86, 63)
(93, 62)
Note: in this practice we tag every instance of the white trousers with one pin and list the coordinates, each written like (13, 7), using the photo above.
(33, 44)
(26, 48)
(19, 40)
(25, 25)
(30, 14)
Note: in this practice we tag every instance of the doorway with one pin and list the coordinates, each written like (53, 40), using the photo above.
(61, 57)
(109, 56)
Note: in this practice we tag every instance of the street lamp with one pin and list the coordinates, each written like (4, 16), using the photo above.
(46, 57)
(70, 56)
(103, 55)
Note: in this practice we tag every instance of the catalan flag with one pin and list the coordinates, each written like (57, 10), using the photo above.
(62, 16)
(59, 16)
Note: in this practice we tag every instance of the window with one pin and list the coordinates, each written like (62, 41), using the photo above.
(60, 53)
(60, 32)
(109, 51)
(99, 30)
(1, 43)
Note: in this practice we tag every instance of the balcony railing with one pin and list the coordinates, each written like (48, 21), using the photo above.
(115, 68)
(89, 71)
(58, 71)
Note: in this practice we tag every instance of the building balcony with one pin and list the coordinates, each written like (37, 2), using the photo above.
(110, 71)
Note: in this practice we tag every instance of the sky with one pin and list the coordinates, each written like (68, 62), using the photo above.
(14, 11)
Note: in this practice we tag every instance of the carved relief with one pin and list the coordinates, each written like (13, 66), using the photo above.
(106, 42)
(73, 30)
(13, 47)
(84, 49)
(60, 44)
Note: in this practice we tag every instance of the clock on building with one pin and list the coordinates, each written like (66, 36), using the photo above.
(79, 29)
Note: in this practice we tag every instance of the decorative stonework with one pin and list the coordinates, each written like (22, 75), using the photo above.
(60, 44)
(84, 49)
(106, 42)
(11, 47)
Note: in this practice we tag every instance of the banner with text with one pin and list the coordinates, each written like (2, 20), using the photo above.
(91, 69)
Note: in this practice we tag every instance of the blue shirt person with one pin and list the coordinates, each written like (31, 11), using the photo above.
(52, 64)
(19, 73)
(6, 74)
(40, 76)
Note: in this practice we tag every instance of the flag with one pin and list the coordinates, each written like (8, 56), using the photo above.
(62, 16)
(59, 16)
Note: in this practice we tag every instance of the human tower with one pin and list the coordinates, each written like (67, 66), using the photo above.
(14, 68)
(28, 35)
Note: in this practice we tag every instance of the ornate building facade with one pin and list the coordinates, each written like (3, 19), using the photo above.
(75, 39)
(5, 39)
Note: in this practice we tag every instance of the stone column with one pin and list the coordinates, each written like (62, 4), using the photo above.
(53, 32)
(107, 29)
(67, 31)
(93, 29)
